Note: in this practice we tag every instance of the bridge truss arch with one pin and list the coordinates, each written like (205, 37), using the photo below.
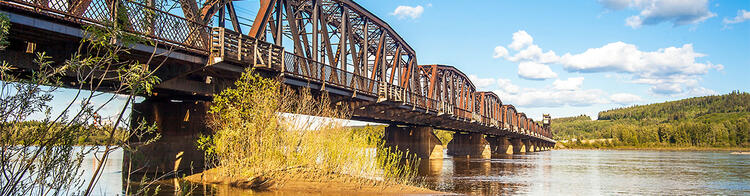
(489, 106)
(510, 117)
(451, 88)
(338, 42)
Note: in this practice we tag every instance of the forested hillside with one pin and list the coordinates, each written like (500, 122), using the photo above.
(711, 121)
(686, 108)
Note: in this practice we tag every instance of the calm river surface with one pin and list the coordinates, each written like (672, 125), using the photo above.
(595, 172)
(563, 172)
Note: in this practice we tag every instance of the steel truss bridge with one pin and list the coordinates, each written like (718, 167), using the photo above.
(334, 46)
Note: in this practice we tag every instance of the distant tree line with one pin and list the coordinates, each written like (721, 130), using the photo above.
(711, 121)
(687, 108)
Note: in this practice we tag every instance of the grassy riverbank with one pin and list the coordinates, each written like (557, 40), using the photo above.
(96, 135)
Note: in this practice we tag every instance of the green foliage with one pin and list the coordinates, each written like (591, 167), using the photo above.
(257, 137)
(582, 117)
(4, 31)
(683, 109)
(712, 121)
(372, 134)
(397, 166)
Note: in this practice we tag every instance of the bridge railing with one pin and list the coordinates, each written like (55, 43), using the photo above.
(422, 102)
(395, 93)
(137, 18)
(227, 45)
(327, 75)
(486, 120)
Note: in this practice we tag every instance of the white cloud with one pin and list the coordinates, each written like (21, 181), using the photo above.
(533, 59)
(482, 83)
(625, 98)
(535, 71)
(521, 39)
(666, 88)
(546, 97)
(500, 51)
(742, 16)
(403, 11)
(569, 84)
(700, 91)
(668, 70)
(535, 54)
(652, 12)
(560, 94)
(623, 57)
(507, 87)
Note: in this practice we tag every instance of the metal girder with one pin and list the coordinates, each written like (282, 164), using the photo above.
(344, 36)
(446, 84)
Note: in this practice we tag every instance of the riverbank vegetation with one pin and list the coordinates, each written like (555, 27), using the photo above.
(96, 134)
(266, 135)
(710, 122)
(38, 135)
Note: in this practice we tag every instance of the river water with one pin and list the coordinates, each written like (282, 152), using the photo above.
(557, 172)
(595, 172)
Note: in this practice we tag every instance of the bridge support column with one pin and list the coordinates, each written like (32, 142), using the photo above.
(469, 144)
(542, 146)
(518, 146)
(499, 145)
(179, 124)
(418, 140)
(529, 145)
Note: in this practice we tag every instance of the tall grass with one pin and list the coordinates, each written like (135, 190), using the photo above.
(265, 132)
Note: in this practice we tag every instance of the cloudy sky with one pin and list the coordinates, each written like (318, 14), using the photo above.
(580, 57)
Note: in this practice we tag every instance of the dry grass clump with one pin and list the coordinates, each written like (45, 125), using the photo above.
(261, 138)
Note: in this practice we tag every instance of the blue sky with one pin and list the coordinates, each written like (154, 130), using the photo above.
(569, 58)
(580, 57)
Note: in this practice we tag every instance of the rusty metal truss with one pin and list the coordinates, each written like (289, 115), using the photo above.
(449, 87)
(332, 43)
(342, 35)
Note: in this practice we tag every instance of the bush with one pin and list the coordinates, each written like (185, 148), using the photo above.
(265, 131)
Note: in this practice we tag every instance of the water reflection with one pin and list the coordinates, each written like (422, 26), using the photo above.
(560, 172)
(590, 172)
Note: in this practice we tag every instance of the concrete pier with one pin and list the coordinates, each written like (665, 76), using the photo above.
(518, 146)
(470, 145)
(179, 124)
(529, 145)
(415, 139)
(537, 146)
(499, 145)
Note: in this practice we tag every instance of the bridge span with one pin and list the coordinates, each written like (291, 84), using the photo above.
(331, 46)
